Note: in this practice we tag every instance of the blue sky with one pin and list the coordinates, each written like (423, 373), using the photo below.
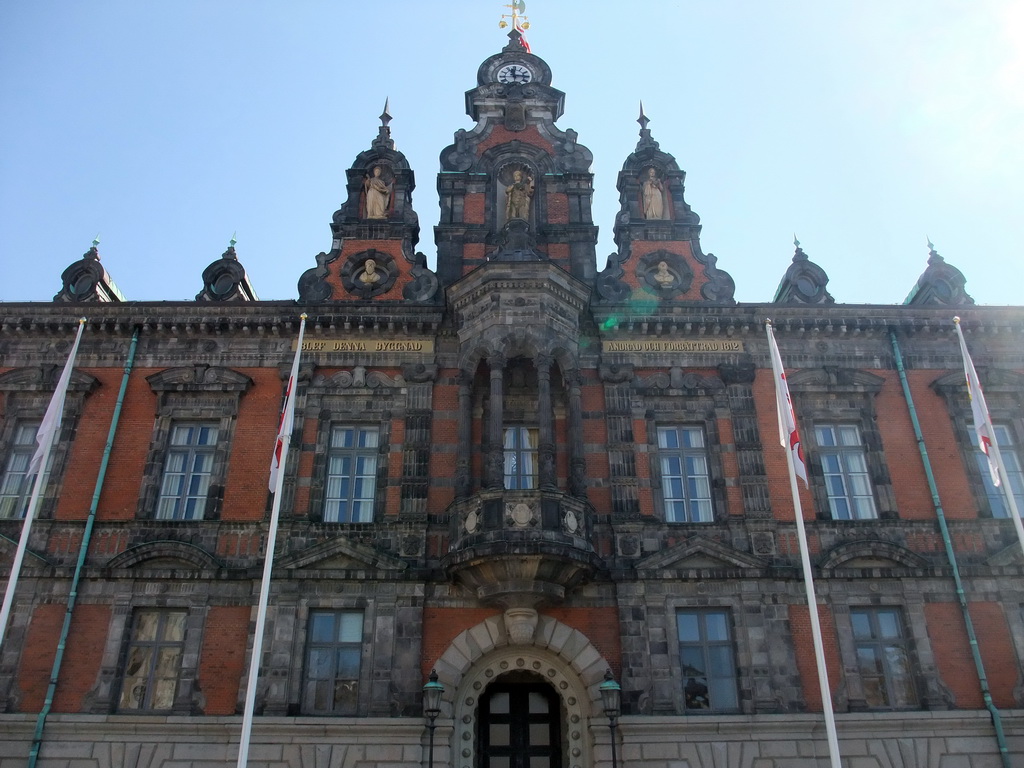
(863, 126)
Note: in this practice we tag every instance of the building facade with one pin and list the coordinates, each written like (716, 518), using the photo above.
(519, 471)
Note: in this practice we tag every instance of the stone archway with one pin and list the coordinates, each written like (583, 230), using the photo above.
(556, 652)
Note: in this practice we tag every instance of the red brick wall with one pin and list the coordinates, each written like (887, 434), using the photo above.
(775, 464)
(948, 636)
(222, 660)
(943, 447)
(81, 665)
(442, 625)
(803, 643)
(500, 135)
(245, 491)
(902, 456)
(119, 500)
(86, 450)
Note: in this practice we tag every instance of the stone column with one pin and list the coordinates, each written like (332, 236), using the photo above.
(495, 433)
(546, 422)
(577, 463)
(463, 483)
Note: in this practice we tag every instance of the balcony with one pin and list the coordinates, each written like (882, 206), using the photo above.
(520, 549)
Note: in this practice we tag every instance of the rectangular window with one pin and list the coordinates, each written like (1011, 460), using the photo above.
(883, 658)
(153, 662)
(16, 484)
(351, 474)
(333, 651)
(685, 478)
(706, 660)
(521, 458)
(845, 466)
(1011, 462)
(187, 470)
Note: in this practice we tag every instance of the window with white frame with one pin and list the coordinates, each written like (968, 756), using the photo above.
(520, 458)
(1011, 462)
(351, 481)
(16, 483)
(185, 484)
(153, 661)
(707, 660)
(883, 658)
(685, 474)
(333, 652)
(845, 468)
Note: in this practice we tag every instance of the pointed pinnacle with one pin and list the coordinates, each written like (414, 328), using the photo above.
(931, 245)
(96, 240)
(385, 118)
(795, 241)
(643, 120)
(233, 240)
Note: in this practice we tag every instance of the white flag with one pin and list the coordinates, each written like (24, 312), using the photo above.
(789, 435)
(284, 432)
(49, 428)
(979, 409)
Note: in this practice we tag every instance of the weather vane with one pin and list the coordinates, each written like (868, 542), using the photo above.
(517, 16)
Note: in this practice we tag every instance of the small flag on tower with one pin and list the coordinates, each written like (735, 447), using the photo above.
(979, 408)
(284, 432)
(789, 435)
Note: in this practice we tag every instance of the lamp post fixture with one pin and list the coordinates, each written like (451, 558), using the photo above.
(432, 693)
(611, 697)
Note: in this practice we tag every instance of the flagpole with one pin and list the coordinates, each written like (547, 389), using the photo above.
(278, 463)
(48, 431)
(987, 429)
(782, 397)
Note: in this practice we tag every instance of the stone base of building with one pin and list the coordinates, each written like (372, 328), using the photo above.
(963, 739)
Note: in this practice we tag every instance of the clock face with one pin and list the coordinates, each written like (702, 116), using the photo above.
(514, 73)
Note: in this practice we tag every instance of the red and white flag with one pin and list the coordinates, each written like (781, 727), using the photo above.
(284, 432)
(789, 435)
(979, 409)
(49, 428)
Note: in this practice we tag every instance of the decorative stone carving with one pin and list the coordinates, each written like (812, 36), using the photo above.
(87, 280)
(941, 284)
(804, 282)
(369, 273)
(520, 623)
(225, 280)
(664, 274)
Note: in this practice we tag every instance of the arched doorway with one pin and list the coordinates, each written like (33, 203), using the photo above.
(520, 723)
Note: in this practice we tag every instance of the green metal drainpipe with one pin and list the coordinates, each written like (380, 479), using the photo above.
(979, 666)
(37, 739)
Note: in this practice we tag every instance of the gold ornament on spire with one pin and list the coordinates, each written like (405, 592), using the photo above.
(517, 16)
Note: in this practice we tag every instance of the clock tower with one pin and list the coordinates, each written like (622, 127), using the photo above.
(515, 187)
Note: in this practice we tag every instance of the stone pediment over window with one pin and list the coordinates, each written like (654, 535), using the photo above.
(340, 554)
(358, 378)
(199, 378)
(43, 378)
(871, 554)
(831, 378)
(700, 553)
(165, 555)
(1009, 556)
(992, 380)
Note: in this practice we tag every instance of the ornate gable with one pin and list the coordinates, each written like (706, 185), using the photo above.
(658, 236)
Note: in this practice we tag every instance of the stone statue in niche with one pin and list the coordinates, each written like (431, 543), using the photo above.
(378, 194)
(369, 275)
(518, 196)
(653, 194)
(663, 277)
